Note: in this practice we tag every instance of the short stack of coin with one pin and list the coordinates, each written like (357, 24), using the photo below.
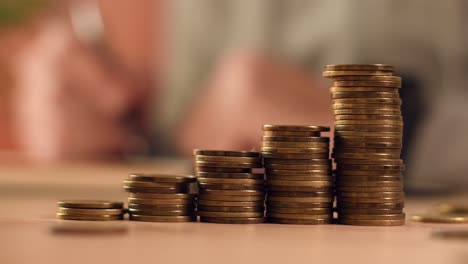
(90, 210)
(229, 191)
(298, 171)
(368, 142)
(160, 198)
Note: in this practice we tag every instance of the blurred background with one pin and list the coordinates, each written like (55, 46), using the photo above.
(94, 80)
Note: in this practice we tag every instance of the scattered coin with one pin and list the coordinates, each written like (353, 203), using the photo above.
(448, 219)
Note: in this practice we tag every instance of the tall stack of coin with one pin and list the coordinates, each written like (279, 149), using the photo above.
(90, 210)
(298, 171)
(229, 191)
(368, 142)
(160, 198)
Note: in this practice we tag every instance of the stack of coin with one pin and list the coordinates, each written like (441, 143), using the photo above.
(89, 210)
(229, 191)
(298, 171)
(160, 198)
(368, 142)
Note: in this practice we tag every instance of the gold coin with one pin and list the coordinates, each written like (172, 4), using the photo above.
(395, 151)
(363, 111)
(299, 221)
(162, 178)
(277, 144)
(295, 150)
(451, 209)
(365, 89)
(367, 83)
(233, 192)
(451, 234)
(159, 202)
(365, 155)
(368, 78)
(291, 134)
(215, 175)
(301, 183)
(296, 139)
(385, 195)
(296, 128)
(164, 190)
(199, 169)
(356, 205)
(332, 74)
(369, 122)
(301, 194)
(155, 218)
(299, 204)
(368, 211)
(300, 188)
(368, 117)
(360, 67)
(369, 178)
(283, 210)
(365, 95)
(300, 199)
(298, 172)
(293, 177)
(351, 183)
(98, 212)
(295, 155)
(376, 106)
(345, 139)
(229, 204)
(146, 184)
(369, 189)
(390, 101)
(226, 153)
(162, 207)
(370, 162)
(229, 214)
(231, 181)
(229, 220)
(162, 195)
(299, 216)
(321, 162)
(233, 198)
(371, 222)
(369, 128)
(295, 167)
(228, 164)
(370, 200)
(162, 213)
(371, 217)
(231, 208)
(88, 217)
(230, 186)
(90, 204)
(446, 219)
(355, 144)
(346, 172)
(223, 159)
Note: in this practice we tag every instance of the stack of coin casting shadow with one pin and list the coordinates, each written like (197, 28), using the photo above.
(298, 171)
(160, 198)
(368, 142)
(90, 210)
(229, 191)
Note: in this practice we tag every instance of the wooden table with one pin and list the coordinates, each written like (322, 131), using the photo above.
(28, 206)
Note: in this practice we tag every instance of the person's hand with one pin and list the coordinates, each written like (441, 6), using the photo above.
(246, 92)
(68, 104)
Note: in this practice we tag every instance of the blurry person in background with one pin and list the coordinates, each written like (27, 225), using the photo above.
(115, 77)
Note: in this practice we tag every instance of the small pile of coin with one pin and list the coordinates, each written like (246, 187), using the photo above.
(160, 198)
(368, 142)
(90, 210)
(298, 171)
(229, 191)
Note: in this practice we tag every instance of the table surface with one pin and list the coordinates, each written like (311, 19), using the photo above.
(28, 206)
